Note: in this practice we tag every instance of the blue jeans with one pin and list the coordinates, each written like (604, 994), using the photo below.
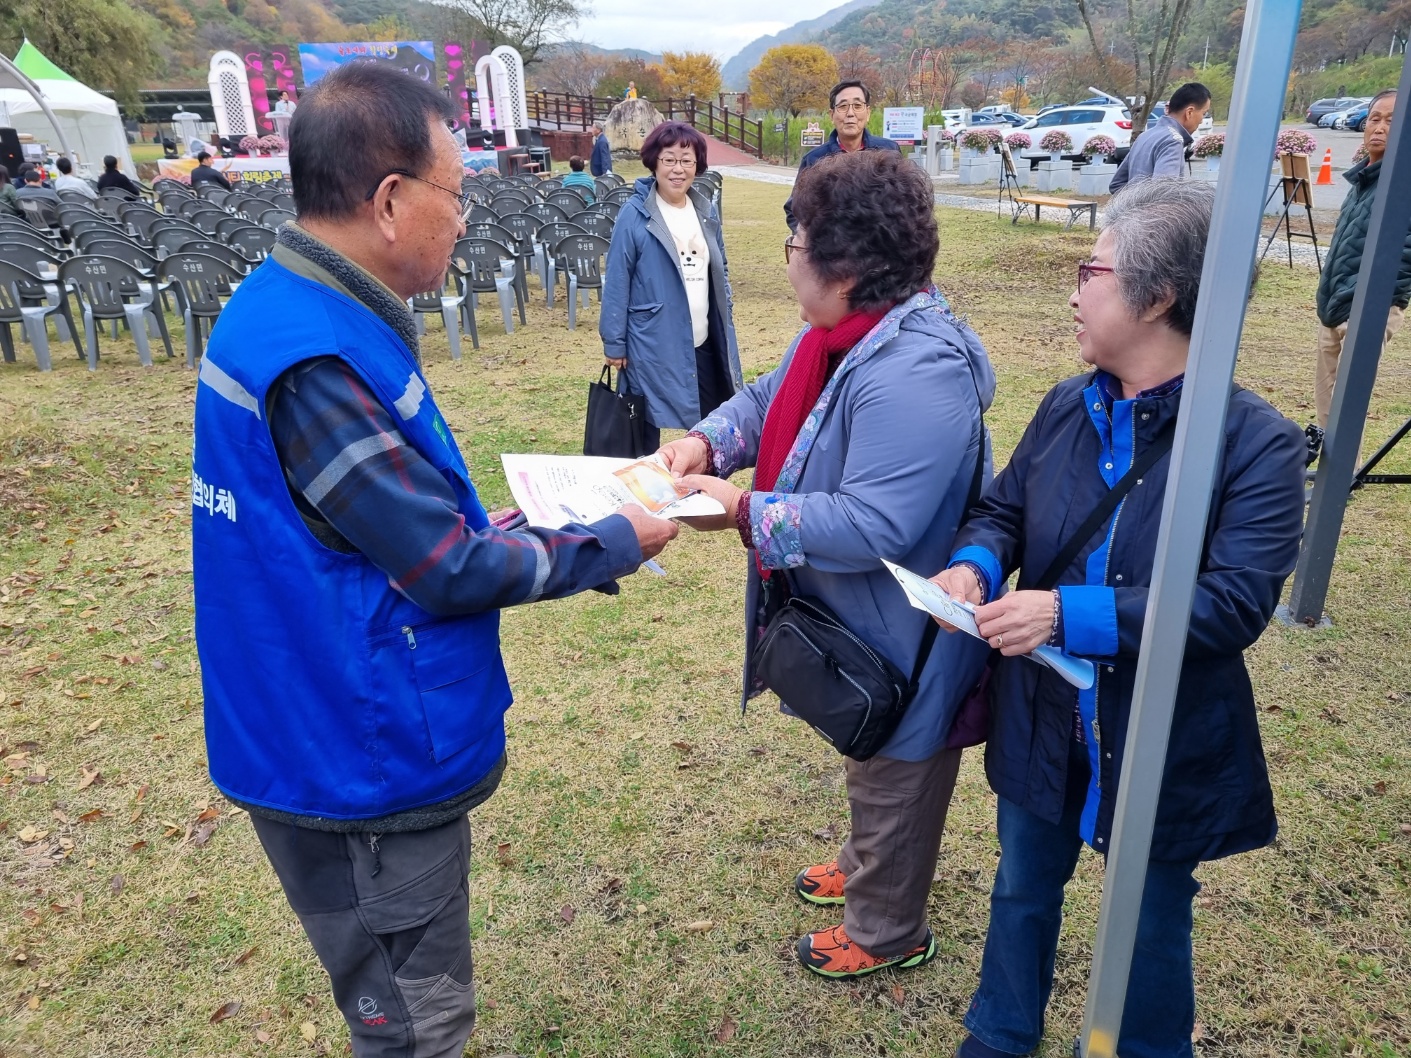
(1026, 909)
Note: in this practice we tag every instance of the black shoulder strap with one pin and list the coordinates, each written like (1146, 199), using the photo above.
(1160, 445)
(929, 633)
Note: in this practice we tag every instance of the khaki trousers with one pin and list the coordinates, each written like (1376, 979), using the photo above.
(1330, 341)
(898, 815)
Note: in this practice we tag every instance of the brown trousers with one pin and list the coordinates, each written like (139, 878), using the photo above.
(1330, 341)
(898, 816)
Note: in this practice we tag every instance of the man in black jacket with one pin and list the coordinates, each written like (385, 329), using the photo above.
(1338, 283)
(204, 174)
(850, 104)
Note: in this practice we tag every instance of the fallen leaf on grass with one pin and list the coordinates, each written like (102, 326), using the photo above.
(828, 833)
(243, 957)
(137, 846)
(136, 815)
(228, 1010)
(99, 722)
(261, 1036)
(898, 995)
(701, 926)
(568, 913)
(207, 814)
(309, 1031)
(91, 817)
(141, 793)
(116, 884)
(32, 1003)
(87, 778)
(502, 853)
(1406, 829)
(684, 747)
(725, 1031)
(30, 834)
(202, 834)
(490, 1004)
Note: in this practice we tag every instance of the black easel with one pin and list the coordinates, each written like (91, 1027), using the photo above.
(1364, 475)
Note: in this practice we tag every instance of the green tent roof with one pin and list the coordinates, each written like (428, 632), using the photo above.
(34, 64)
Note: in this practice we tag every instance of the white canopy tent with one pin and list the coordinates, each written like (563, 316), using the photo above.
(38, 98)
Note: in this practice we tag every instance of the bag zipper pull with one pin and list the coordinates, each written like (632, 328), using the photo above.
(411, 636)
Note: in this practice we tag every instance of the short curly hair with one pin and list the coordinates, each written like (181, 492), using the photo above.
(870, 216)
(673, 134)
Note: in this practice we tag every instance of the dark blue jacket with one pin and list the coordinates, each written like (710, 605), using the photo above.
(832, 147)
(601, 160)
(1215, 794)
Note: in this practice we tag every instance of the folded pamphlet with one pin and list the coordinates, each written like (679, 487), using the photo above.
(924, 595)
(556, 490)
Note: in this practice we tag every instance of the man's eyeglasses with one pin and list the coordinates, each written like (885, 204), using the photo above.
(467, 202)
(1086, 270)
(850, 108)
(791, 247)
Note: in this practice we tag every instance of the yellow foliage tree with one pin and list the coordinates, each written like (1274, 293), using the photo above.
(688, 73)
(793, 78)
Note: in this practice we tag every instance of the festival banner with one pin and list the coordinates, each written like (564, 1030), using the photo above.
(417, 58)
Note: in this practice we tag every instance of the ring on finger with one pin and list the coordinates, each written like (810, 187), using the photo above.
(999, 641)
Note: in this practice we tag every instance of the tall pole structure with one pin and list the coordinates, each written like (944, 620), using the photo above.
(1266, 54)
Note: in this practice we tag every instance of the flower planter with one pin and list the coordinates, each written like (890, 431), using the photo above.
(1055, 156)
(1212, 164)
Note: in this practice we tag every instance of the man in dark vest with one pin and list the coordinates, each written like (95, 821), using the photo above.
(349, 582)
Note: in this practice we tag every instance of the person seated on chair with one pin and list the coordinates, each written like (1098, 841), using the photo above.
(66, 181)
(204, 174)
(9, 200)
(578, 178)
(34, 189)
(112, 178)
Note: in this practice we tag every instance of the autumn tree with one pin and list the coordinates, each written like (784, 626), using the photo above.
(528, 26)
(793, 78)
(690, 73)
(104, 43)
(860, 63)
(973, 94)
(1150, 33)
(571, 68)
(648, 79)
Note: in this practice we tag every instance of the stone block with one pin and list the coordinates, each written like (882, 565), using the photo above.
(1055, 176)
(1094, 178)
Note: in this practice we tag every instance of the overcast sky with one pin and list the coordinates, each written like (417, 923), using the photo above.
(721, 27)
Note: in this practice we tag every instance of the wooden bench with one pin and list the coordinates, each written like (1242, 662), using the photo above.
(1074, 206)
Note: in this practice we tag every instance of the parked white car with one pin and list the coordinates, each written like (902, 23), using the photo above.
(1082, 123)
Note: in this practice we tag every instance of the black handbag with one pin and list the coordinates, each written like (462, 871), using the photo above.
(617, 420)
(846, 691)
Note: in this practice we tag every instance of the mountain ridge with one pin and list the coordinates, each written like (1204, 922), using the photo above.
(735, 73)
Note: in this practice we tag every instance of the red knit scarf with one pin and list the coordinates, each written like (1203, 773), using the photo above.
(802, 386)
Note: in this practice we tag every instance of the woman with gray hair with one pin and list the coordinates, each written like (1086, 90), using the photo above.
(1076, 513)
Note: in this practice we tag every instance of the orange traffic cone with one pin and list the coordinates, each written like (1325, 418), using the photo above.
(1325, 173)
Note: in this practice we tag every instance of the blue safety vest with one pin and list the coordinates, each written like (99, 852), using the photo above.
(327, 692)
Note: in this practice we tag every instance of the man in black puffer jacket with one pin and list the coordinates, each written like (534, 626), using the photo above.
(1339, 279)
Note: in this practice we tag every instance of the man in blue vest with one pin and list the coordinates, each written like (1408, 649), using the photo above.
(850, 104)
(348, 581)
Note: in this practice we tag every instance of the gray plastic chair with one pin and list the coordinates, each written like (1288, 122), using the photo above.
(251, 240)
(447, 306)
(550, 235)
(582, 258)
(200, 282)
(485, 269)
(104, 286)
(27, 300)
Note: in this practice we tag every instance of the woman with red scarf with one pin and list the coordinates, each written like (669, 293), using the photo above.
(864, 441)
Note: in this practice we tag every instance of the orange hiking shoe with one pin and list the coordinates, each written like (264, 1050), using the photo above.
(822, 884)
(829, 953)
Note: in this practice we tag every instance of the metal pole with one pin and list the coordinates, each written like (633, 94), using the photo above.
(1357, 367)
(1266, 53)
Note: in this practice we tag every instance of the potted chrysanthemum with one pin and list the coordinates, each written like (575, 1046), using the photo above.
(1099, 147)
(1210, 147)
(1056, 142)
(1019, 141)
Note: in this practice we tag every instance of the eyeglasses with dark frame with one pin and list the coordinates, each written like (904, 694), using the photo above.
(467, 202)
(851, 106)
(1086, 270)
(791, 247)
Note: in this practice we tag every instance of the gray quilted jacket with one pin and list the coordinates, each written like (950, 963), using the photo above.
(1344, 258)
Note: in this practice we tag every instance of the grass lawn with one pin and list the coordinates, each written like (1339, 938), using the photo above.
(631, 887)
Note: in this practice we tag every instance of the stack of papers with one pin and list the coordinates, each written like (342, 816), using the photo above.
(924, 595)
(553, 491)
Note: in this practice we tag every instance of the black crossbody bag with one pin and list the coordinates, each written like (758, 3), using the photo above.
(853, 696)
(846, 691)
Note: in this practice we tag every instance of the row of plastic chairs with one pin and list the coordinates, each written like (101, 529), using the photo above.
(112, 291)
